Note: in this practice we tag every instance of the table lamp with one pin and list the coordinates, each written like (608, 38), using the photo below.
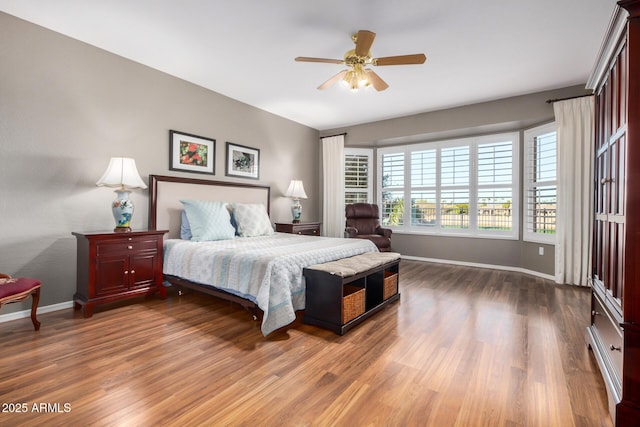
(296, 192)
(123, 175)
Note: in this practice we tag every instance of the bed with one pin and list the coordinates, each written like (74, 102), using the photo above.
(263, 272)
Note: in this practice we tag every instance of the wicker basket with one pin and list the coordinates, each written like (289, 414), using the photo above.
(390, 287)
(352, 303)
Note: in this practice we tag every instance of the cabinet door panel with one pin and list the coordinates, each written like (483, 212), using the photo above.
(601, 176)
(598, 250)
(617, 176)
(619, 283)
(143, 269)
(609, 224)
(111, 275)
(601, 228)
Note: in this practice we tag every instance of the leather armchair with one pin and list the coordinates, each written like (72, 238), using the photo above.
(363, 222)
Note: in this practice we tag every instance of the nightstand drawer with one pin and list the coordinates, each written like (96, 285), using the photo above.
(302, 228)
(122, 246)
(312, 230)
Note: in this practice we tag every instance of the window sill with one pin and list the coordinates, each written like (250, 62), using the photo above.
(450, 234)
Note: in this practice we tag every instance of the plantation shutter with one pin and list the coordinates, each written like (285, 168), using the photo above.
(393, 189)
(495, 186)
(357, 178)
(540, 208)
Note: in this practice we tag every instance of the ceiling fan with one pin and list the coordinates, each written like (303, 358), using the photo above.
(357, 75)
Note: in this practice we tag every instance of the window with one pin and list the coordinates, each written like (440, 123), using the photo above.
(423, 188)
(393, 189)
(540, 184)
(357, 175)
(455, 168)
(467, 186)
(495, 185)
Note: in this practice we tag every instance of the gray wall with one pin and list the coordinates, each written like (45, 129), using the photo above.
(504, 115)
(67, 107)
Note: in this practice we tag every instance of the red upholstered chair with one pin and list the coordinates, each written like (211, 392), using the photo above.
(18, 289)
(363, 222)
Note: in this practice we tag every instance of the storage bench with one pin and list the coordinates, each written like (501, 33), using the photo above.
(341, 294)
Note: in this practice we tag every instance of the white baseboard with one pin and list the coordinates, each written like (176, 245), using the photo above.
(491, 266)
(41, 310)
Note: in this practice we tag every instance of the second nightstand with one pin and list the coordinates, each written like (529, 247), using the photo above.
(305, 228)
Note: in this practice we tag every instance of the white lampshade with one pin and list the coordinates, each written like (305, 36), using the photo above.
(121, 172)
(296, 190)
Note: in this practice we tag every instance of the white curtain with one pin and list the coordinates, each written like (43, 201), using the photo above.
(574, 221)
(333, 186)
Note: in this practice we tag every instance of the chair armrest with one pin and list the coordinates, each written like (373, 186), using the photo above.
(351, 232)
(386, 232)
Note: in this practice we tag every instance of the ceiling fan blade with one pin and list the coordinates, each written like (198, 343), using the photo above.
(364, 40)
(417, 58)
(333, 80)
(377, 83)
(329, 61)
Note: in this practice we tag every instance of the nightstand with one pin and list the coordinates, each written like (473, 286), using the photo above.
(305, 228)
(115, 266)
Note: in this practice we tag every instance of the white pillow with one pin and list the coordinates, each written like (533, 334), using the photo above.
(252, 219)
(208, 220)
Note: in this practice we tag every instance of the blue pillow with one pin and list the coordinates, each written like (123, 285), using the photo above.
(185, 228)
(208, 220)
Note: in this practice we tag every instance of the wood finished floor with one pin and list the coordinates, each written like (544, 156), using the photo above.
(463, 347)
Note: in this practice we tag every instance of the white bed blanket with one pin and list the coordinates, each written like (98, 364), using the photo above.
(266, 270)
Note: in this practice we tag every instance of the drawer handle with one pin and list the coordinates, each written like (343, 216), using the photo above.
(595, 313)
(126, 272)
(129, 247)
(133, 272)
(614, 348)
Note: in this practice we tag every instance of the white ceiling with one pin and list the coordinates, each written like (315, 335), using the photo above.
(476, 50)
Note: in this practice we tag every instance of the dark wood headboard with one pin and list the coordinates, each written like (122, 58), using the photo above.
(165, 193)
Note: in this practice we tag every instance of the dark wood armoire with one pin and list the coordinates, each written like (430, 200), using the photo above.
(614, 333)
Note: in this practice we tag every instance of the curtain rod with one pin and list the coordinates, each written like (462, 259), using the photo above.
(551, 101)
(331, 136)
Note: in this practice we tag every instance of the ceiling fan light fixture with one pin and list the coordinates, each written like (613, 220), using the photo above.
(364, 80)
(356, 78)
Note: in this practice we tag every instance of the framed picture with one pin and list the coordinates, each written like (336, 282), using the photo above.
(191, 153)
(243, 161)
